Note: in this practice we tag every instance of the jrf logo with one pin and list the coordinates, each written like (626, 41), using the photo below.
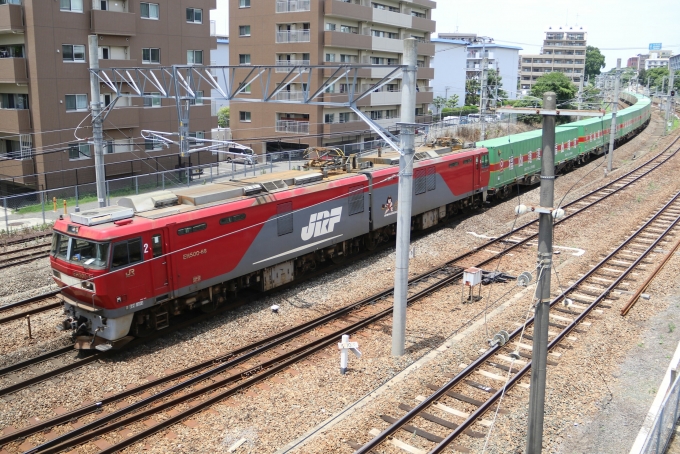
(321, 223)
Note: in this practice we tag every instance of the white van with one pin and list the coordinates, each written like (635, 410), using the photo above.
(450, 121)
(241, 156)
(473, 118)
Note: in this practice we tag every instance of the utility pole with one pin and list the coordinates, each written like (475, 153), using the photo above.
(580, 96)
(669, 99)
(97, 129)
(405, 195)
(615, 106)
(648, 86)
(539, 357)
(482, 95)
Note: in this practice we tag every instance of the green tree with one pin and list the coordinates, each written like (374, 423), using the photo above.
(452, 102)
(223, 117)
(594, 61)
(471, 92)
(558, 83)
(494, 80)
(439, 102)
(656, 76)
(642, 76)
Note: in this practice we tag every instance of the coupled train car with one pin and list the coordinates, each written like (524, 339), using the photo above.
(132, 269)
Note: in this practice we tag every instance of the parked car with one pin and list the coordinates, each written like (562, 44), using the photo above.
(450, 121)
(473, 118)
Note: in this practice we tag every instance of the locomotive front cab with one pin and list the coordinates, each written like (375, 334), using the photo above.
(81, 259)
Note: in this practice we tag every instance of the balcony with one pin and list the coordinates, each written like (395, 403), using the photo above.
(425, 97)
(292, 126)
(13, 70)
(383, 16)
(293, 36)
(11, 20)
(283, 66)
(347, 127)
(16, 121)
(113, 23)
(290, 96)
(381, 98)
(425, 73)
(349, 40)
(348, 10)
(292, 6)
(109, 63)
(427, 25)
(122, 117)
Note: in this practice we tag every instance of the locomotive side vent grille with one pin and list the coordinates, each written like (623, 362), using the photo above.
(306, 179)
(252, 189)
(420, 181)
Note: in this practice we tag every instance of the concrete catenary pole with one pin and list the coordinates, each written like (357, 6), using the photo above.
(539, 357)
(615, 106)
(405, 194)
(482, 95)
(669, 99)
(97, 129)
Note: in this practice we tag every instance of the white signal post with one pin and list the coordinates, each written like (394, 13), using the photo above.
(345, 347)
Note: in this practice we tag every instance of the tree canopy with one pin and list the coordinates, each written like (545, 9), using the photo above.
(594, 61)
(557, 82)
(223, 117)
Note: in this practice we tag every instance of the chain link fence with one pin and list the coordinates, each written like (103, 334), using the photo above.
(664, 423)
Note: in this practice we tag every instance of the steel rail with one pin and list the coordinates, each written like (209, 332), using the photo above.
(32, 299)
(379, 439)
(24, 249)
(24, 240)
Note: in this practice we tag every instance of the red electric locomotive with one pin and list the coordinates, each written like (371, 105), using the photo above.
(130, 269)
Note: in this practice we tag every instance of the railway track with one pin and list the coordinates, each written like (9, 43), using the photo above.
(30, 306)
(472, 393)
(23, 255)
(179, 395)
(6, 242)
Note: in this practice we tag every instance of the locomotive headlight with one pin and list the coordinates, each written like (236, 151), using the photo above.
(87, 285)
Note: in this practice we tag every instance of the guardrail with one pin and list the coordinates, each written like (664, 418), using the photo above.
(664, 424)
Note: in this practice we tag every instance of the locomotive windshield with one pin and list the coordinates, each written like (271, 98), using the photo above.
(80, 251)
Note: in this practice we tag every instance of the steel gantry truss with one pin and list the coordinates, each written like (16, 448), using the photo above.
(183, 82)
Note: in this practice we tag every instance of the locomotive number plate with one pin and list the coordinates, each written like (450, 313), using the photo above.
(194, 254)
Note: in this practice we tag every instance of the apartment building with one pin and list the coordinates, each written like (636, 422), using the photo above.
(318, 32)
(45, 91)
(501, 58)
(564, 50)
(633, 62)
(674, 63)
(658, 59)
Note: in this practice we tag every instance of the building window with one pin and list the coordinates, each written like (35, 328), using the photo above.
(244, 30)
(13, 101)
(78, 151)
(376, 114)
(76, 103)
(199, 99)
(330, 57)
(330, 27)
(152, 144)
(329, 118)
(197, 135)
(75, 6)
(194, 57)
(152, 99)
(244, 3)
(345, 117)
(73, 53)
(151, 55)
(244, 117)
(244, 59)
(246, 89)
(194, 15)
(149, 10)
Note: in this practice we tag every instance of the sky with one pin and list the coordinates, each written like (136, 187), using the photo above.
(620, 29)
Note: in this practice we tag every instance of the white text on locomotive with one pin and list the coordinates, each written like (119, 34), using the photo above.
(321, 223)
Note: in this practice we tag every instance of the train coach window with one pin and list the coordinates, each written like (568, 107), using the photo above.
(88, 253)
(192, 229)
(467, 161)
(453, 164)
(234, 218)
(59, 246)
(485, 160)
(127, 253)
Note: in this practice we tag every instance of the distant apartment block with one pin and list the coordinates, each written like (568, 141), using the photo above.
(633, 62)
(286, 33)
(45, 90)
(658, 59)
(674, 62)
(220, 57)
(564, 50)
(458, 59)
